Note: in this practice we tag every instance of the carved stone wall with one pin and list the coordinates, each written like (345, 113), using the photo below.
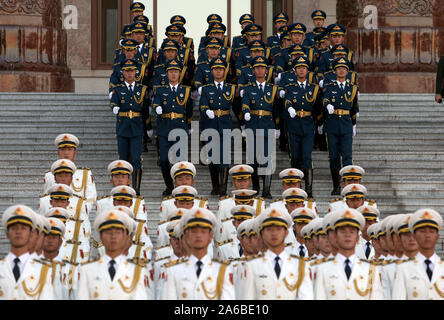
(401, 55)
(33, 47)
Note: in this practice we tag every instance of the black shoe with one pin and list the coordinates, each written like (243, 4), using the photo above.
(214, 175)
(308, 177)
(267, 187)
(335, 177)
(223, 181)
(168, 180)
(145, 146)
(137, 179)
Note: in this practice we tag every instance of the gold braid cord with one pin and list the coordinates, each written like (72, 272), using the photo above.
(441, 294)
(272, 96)
(38, 289)
(371, 277)
(136, 278)
(139, 101)
(355, 88)
(315, 94)
(136, 206)
(301, 275)
(187, 95)
(230, 98)
(83, 185)
(219, 285)
(137, 239)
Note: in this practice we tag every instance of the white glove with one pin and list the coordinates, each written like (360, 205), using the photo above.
(330, 109)
(321, 83)
(357, 115)
(321, 129)
(150, 133)
(210, 114)
(278, 134)
(292, 112)
(282, 93)
(354, 130)
(241, 93)
(277, 79)
(111, 95)
(159, 110)
(116, 110)
(199, 90)
(247, 117)
(190, 131)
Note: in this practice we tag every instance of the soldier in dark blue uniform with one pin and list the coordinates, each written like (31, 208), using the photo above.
(118, 53)
(337, 36)
(318, 17)
(129, 101)
(341, 112)
(169, 49)
(303, 107)
(212, 18)
(339, 51)
(215, 106)
(188, 43)
(239, 41)
(257, 49)
(137, 9)
(274, 41)
(260, 112)
(203, 75)
(149, 38)
(279, 59)
(174, 108)
(252, 32)
(186, 56)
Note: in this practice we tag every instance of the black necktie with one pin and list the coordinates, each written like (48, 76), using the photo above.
(199, 268)
(130, 88)
(428, 270)
(277, 267)
(302, 86)
(367, 251)
(301, 251)
(261, 88)
(241, 250)
(16, 269)
(112, 270)
(174, 90)
(348, 270)
(219, 87)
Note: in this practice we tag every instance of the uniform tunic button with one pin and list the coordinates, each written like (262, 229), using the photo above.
(112, 287)
(348, 288)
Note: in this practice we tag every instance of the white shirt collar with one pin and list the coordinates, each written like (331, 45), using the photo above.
(263, 83)
(341, 258)
(119, 260)
(217, 83)
(304, 83)
(341, 83)
(23, 260)
(271, 255)
(133, 84)
(434, 258)
(176, 86)
(205, 260)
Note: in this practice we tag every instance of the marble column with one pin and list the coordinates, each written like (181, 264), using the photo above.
(33, 47)
(401, 55)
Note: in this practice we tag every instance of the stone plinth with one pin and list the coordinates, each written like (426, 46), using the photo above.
(401, 55)
(33, 47)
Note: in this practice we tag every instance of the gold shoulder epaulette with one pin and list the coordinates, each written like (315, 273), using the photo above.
(288, 244)
(90, 261)
(371, 202)
(311, 199)
(335, 200)
(140, 197)
(167, 198)
(42, 261)
(74, 195)
(319, 261)
(102, 197)
(259, 198)
(44, 195)
(167, 245)
(255, 256)
(162, 222)
(227, 262)
(163, 258)
(138, 261)
(227, 219)
(96, 244)
(277, 200)
(175, 262)
(87, 169)
(224, 198)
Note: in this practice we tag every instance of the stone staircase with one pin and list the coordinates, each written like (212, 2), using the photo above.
(399, 143)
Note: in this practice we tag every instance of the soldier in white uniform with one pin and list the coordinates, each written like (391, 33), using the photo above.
(372, 232)
(407, 238)
(82, 181)
(231, 248)
(364, 249)
(113, 276)
(120, 171)
(320, 241)
(291, 178)
(36, 244)
(184, 197)
(423, 277)
(51, 246)
(177, 253)
(294, 198)
(331, 235)
(276, 274)
(240, 197)
(21, 277)
(76, 246)
(351, 174)
(301, 217)
(386, 239)
(346, 277)
(198, 277)
(307, 232)
(183, 174)
(142, 245)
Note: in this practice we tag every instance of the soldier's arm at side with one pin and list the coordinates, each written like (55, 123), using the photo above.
(399, 291)
(439, 80)
(319, 290)
(228, 292)
(83, 292)
(249, 287)
(305, 291)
